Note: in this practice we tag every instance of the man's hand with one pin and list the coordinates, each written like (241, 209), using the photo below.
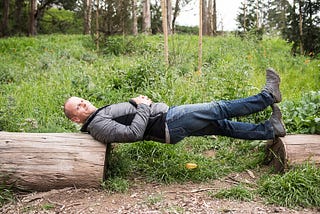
(142, 100)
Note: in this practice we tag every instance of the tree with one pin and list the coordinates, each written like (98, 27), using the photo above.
(250, 17)
(97, 24)
(300, 27)
(32, 19)
(303, 27)
(87, 8)
(276, 15)
(19, 17)
(212, 18)
(5, 18)
(146, 17)
(169, 15)
(204, 17)
(134, 18)
(165, 29)
(200, 36)
(177, 8)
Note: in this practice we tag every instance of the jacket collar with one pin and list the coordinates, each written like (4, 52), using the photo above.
(90, 118)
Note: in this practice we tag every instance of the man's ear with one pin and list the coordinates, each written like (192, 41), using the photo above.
(75, 119)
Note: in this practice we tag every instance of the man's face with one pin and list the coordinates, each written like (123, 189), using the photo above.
(80, 108)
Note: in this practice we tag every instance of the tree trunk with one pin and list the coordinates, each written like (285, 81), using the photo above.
(87, 16)
(97, 25)
(301, 28)
(18, 25)
(204, 17)
(134, 18)
(5, 18)
(44, 161)
(32, 18)
(245, 16)
(165, 30)
(200, 36)
(214, 18)
(292, 150)
(257, 15)
(210, 18)
(169, 16)
(175, 14)
(146, 23)
(284, 9)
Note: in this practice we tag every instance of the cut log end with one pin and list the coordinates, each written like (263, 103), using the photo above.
(292, 150)
(44, 161)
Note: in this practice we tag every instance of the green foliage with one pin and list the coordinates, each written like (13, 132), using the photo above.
(298, 187)
(310, 27)
(60, 21)
(303, 116)
(187, 29)
(238, 192)
(128, 45)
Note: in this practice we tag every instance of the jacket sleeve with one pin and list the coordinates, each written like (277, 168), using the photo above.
(107, 130)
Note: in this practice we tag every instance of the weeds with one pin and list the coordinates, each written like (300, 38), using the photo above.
(303, 116)
(298, 187)
(238, 192)
(6, 192)
(115, 185)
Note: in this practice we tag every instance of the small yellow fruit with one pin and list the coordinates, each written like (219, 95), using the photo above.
(191, 166)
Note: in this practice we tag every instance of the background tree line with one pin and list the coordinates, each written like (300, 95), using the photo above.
(296, 20)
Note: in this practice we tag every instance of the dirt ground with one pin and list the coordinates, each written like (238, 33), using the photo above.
(145, 197)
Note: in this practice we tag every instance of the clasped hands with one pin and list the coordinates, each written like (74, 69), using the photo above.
(142, 100)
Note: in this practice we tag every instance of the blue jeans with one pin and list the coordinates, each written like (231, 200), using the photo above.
(213, 119)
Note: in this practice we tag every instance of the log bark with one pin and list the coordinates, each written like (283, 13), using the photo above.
(292, 150)
(44, 161)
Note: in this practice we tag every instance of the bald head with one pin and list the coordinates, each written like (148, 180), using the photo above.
(78, 110)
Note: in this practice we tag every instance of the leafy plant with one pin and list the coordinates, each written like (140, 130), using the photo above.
(303, 116)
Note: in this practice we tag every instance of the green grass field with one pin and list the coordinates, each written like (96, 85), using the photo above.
(38, 74)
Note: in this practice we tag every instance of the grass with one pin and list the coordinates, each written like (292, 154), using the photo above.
(238, 192)
(38, 74)
(298, 187)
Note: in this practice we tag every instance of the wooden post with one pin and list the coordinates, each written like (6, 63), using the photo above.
(291, 150)
(44, 161)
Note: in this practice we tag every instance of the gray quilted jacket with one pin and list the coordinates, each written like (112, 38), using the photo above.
(124, 122)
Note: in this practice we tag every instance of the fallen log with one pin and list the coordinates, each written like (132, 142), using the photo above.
(44, 161)
(292, 150)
